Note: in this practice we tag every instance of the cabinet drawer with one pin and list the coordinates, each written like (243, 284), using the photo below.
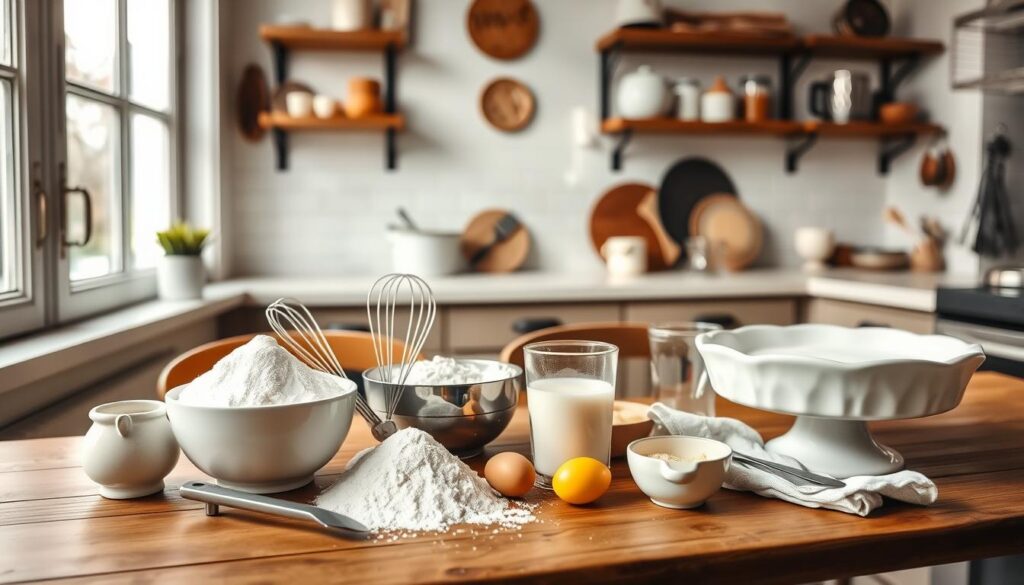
(481, 329)
(849, 314)
(745, 312)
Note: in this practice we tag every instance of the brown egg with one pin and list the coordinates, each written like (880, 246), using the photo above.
(510, 474)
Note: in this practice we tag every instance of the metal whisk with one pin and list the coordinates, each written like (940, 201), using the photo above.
(297, 329)
(382, 302)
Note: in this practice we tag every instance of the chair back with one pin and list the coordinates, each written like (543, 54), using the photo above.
(353, 348)
(630, 338)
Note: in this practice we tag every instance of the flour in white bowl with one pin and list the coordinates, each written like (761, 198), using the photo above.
(411, 482)
(260, 373)
(445, 370)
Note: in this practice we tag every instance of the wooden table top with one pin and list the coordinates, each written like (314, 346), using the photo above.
(54, 525)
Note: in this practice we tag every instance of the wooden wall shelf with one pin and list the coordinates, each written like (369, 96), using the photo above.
(284, 39)
(283, 121)
(316, 39)
(896, 58)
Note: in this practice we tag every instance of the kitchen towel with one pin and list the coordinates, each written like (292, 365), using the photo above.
(860, 495)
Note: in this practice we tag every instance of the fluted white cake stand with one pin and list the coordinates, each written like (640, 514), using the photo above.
(835, 380)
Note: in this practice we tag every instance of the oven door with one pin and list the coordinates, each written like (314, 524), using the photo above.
(1004, 348)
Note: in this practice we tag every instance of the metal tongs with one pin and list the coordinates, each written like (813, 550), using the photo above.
(793, 475)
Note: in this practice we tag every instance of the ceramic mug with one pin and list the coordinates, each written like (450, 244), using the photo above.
(625, 255)
(324, 106)
(130, 448)
(299, 104)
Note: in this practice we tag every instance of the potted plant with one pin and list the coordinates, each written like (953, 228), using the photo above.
(180, 274)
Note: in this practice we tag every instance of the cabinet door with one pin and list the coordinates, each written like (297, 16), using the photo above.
(743, 311)
(489, 329)
(850, 314)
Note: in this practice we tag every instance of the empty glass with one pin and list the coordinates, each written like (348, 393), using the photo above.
(677, 370)
(570, 387)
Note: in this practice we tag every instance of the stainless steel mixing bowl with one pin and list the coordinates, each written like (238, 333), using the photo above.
(462, 417)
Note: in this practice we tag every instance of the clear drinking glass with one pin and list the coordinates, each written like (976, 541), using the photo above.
(570, 387)
(677, 370)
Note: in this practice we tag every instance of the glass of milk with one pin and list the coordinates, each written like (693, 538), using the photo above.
(570, 387)
(677, 370)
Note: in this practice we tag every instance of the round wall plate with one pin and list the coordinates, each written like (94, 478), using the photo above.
(503, 29)
(507, 104)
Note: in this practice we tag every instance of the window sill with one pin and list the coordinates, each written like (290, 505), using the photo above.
(27, 360)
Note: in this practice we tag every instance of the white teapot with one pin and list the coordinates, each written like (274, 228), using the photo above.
(129, 448)
(642, 94)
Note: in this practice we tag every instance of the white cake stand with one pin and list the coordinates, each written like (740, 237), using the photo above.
(835, 380)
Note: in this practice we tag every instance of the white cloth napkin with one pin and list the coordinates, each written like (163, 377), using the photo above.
(860, 495)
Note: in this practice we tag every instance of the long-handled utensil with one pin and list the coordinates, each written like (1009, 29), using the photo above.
(793, 475)
(215, 496)
(299, 331)
(382, 302)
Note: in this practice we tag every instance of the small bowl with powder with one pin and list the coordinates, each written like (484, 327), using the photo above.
(261, 421)
(677, 471)
(462, 403)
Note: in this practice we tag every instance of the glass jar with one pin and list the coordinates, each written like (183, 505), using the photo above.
(757, 98)
(687, 92)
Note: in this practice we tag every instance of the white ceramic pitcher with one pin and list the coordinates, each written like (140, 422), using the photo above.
(130, 448)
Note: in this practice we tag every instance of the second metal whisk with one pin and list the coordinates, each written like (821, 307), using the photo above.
(382, 309)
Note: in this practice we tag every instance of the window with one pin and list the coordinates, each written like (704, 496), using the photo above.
(109, 181)
(119, 152)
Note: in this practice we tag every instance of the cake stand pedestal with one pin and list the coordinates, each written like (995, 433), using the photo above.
(837, 447)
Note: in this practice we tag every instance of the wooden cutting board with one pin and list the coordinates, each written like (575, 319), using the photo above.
(506, 256)
(615, 214)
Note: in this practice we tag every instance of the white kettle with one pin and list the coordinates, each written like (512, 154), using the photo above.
(639, 13)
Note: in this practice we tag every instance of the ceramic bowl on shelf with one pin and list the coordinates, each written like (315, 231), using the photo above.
(262, 449)
(835, 379)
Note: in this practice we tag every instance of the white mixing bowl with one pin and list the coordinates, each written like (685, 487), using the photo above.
(262, 449)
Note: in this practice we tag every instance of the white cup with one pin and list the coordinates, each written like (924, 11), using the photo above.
(815, 246)
(324, 106)
(625, 256)
(299, 104)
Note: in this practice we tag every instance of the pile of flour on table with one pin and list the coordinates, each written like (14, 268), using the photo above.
(260, 373)
(445, 370)
(411, 482)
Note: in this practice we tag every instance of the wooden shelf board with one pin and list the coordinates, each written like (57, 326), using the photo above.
(851, 47)
(869, 129)
(283, 121)
(841, 46)
(673, 126)
(668, 40)
(304, 37)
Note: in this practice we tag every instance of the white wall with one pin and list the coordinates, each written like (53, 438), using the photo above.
(326, 215)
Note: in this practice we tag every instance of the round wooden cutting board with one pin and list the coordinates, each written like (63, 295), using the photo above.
(506, 256)
(615, 214)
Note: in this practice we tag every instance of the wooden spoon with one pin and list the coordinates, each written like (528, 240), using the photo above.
(648, 211)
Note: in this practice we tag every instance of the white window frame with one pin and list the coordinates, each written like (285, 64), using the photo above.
(24, 308)
(75, 300)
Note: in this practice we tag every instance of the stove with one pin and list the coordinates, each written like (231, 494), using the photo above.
(992, 316)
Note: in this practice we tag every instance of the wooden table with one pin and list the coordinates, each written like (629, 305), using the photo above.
(54, 525)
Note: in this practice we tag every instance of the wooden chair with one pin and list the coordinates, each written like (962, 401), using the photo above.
(630, 338)
(353, 348)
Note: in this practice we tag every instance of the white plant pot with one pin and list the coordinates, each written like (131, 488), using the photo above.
(180, 277)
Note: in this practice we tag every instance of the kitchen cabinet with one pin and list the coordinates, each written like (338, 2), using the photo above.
(743, 311)
(487, 329)
(849, 314)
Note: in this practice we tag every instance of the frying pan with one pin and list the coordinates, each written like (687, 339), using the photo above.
(684, 184)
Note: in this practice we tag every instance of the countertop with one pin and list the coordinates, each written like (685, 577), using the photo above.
(54, 525)
(905, 290)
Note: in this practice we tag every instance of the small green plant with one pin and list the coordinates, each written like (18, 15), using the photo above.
(182, 240)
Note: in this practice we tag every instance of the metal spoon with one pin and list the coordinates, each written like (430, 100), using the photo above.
(215, 496)
(793, 475)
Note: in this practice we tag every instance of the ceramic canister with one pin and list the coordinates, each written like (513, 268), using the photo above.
(129, 448)
(363, 98)
(642, 94)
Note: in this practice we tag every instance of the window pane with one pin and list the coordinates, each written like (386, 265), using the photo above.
(93, 160)
(90, 37)
(149, 47)
(151, 187)
(9, 278)
(5, 32)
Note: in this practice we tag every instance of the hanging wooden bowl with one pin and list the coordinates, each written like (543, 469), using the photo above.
(507, 104)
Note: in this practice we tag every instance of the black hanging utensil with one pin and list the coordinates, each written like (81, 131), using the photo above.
(990, 227)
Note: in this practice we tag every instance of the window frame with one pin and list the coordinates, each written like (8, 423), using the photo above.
(78, 299)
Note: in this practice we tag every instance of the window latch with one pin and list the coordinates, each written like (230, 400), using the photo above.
(86, 206)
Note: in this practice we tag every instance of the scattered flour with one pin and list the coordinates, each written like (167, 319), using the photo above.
(260, 373)
(446, 370)
(411, 482)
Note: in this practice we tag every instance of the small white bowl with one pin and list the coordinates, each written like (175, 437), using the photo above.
(262, 449)
(686, 484)
(815, 245)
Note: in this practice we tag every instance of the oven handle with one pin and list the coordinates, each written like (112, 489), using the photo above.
(1004, 343)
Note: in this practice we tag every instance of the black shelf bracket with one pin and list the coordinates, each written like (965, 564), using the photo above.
(624, 137)
(281, 148)
(891, 77)
(797, 146)
(390, 136)
(891, 148)
(280, 62)
(609, 60)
